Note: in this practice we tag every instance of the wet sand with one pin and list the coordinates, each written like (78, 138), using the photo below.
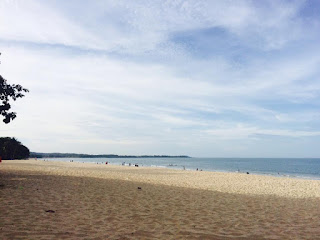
(104, 202)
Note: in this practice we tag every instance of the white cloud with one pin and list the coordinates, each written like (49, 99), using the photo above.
(245, 132)
(146, 94)
(135, 27)
(87, 98)
(33, 21)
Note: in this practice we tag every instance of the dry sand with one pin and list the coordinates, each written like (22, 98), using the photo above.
(103, 202)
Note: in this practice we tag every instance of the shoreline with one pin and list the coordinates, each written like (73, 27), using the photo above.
(226, 182)
(180, 167)
(116, 162)
(61, 200)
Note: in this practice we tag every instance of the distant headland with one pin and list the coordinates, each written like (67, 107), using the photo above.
(77, 155)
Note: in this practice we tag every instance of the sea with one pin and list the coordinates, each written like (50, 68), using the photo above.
(306, 168)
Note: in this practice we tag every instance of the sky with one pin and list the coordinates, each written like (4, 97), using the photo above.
(199, 78)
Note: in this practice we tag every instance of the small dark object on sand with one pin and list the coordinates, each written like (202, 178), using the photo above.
(50, 211)
(247, 172)
(139, 188)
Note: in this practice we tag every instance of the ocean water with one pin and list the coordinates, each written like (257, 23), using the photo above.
(290, 167)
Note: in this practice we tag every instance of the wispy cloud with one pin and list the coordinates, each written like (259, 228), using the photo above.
(163, 77)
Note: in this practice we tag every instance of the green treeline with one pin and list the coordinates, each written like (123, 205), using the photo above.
(76, 155)
(11, 148)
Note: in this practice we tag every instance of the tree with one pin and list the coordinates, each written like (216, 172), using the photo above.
(11, 148)
(8, 91)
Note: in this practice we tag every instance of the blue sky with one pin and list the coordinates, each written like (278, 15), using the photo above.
(202, 78)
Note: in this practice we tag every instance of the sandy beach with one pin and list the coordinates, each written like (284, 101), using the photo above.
(62, 200)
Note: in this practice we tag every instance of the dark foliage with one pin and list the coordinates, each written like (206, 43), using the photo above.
(76, 155)
(10, 148)
(8, 91)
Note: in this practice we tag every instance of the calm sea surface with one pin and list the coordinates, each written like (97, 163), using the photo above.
(291, 167)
